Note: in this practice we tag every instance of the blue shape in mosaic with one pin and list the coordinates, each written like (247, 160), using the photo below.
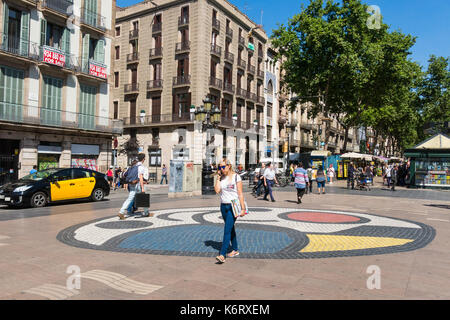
(206, 239)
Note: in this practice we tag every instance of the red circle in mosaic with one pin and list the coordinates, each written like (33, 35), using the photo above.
(322, 217)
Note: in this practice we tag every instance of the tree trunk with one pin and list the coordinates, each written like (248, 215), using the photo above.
(345, 139)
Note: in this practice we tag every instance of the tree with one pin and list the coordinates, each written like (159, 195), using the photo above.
(328, 53)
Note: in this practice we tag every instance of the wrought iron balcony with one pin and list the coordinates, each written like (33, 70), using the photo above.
(251, 69)
(252, 96)
(229, 32)
(229, 57)
(41, 116)
(92, 68)
(157, 27)
(133, 57)
(242, 93)
(183, 21)
(156, 119)
(215, 83)
(216, 24)
(260, 74)
(61, 6)
(182, 46)
(93, 19)
(181, 81)
(19, 47)
(134, 34)
(156, 53)
(261, 100)
(154, 84)
(228, 87)
(260, 54)
(241, 63)
(131, 88)
(216, 50)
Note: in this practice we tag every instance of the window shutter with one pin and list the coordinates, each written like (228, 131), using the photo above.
(24, 33)
(99, 53)
(5, 21)
(43, 31)
(66, 43)
(85, 56)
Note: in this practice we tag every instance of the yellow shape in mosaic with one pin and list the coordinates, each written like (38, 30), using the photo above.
(323, 243)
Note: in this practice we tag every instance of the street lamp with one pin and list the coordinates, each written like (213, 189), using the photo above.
(289, 128)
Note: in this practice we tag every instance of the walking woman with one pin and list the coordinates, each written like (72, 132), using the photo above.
(229, 187)
(321, 180)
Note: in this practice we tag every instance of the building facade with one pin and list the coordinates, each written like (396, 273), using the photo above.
(55, 58)
(169, 55)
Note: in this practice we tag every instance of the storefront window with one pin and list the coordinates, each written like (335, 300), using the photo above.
(433, 172)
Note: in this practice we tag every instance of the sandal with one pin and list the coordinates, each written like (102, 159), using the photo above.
(233, 254)
(220, 259)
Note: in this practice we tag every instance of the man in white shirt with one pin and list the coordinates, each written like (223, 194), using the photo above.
(269, 178)
(143, 178)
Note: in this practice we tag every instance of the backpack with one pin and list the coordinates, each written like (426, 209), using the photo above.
(132, 175)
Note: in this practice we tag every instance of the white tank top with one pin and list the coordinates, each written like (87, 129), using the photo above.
(229, 189)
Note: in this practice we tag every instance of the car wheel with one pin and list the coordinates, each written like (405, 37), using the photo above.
(39, 200)
(98, 194)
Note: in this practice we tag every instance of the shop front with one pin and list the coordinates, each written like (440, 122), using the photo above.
(9, 160)
(430, 163)
(85, 156)
(49, 154)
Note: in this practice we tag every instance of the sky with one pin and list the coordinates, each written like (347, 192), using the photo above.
(428, 20)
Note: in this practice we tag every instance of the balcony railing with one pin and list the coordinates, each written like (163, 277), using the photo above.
(229, 32)
(307, 126)
(260, 74)
(131, 88)
(242, 41)
(260, 54)
(241, 93)
(251, 69)
(92, 68)
(182, 80)
(156, 119)
(20, 47)
(154, 84)
(251, 96)
(33, 115)
(61, 6)
(133, 57)
(183, 46)
(134, 34)
(215, 83)
(216, 50)
(156, 53)
(216, 24)
(228, 87)
(157, 27)
(226, 121)
(229, 57)
(261, 100)
(93, 19)
(183, 21)
(241, 63)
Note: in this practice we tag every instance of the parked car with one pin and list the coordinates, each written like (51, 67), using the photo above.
(54, 185)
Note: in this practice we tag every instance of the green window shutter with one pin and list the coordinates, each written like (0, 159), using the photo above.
(66, 45)
(43, 31)
(86, 117)
(52, 101)
(5, 21)
(11, 93)
(85, 54)
(24, 33)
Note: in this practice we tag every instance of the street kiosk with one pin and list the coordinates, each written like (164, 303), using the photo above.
(430, 163)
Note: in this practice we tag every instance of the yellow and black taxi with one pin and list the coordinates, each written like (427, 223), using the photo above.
(52, 185)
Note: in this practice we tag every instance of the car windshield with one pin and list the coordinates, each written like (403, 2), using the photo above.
(37, 176)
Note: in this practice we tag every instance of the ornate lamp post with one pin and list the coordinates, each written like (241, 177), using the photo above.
(289, 128)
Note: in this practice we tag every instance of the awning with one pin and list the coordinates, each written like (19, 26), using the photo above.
(85, 149)
(317, 153)
(354, 155)
(49, 149)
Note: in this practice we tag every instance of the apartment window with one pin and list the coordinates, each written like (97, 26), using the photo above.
(51, 101)
(154, 155)
(116, 79)
(88, 97)
(116, 109)
(11, 93)
(117, 52)
(157, 71)
(93, 49)
(269, 110)
(117, 31)
(226, 109)
(135, 25)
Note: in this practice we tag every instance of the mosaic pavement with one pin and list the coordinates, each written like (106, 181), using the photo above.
(266, 233)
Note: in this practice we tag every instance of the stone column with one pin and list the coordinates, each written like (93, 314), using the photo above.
(28, 156)
(65, 161)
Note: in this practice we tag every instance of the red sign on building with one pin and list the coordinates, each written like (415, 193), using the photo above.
(97, 71)
(54, 57)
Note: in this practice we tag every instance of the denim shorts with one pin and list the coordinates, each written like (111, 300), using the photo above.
(320, 184)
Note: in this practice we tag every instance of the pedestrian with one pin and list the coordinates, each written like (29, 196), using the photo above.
(110, 177)
(260, 180)
(291, 171)
(394, 176)
(321, 179)
(301, 181)
(331, 173)
(164, 174)
(116, 181)
(389, 175)
(34, 170)
(310, 177)
(143, 179)
(351, 176)
(229, 187)
(131, 177)
(269, 179)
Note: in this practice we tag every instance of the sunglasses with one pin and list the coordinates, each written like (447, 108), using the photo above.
(222, 167)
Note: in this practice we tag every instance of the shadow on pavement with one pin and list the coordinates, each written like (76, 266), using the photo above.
(214, 244)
